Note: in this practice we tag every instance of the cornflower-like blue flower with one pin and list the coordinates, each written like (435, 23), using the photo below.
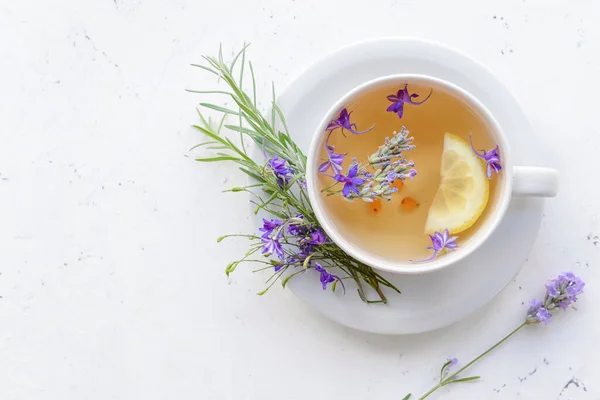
(281, 169)
(403, 97)
(297, 228)
(318, 237)
(272, 245)
(439, 242)
(343, 121)
(491, 159)
(350, 181)
(270, 226)
(560, 293)
(326, 277)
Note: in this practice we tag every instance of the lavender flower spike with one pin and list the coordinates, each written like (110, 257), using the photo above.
(403, 97)
(491, 158)
(537, 313)
(560, 293)
(440, 242)
(343, 121)
(392, 148)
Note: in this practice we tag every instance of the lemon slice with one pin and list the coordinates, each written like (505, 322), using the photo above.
(463, 192)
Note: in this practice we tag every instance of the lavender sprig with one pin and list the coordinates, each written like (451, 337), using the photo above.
(392, 148)
(293, 240)
(560, 293)
(389, 164)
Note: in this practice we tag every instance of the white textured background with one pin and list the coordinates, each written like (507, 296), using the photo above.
(112, 284)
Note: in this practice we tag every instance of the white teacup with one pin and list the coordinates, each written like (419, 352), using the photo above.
(514, 180)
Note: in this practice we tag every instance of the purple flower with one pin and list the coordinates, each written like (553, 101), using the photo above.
(318, 237)
(563, 290)
(350, 181)
(403, 97)
(269, 226)
(343, 121)
(326, 277)
(306, 249)
(560, 293)
(271, 245)
(297, 229)
(277, 267)
(450, 362)
(334, 160)
(537, 312)
(491, 158)
(282, 170)
(439, 242)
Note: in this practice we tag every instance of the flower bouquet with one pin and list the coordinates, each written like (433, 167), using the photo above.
(291, 239)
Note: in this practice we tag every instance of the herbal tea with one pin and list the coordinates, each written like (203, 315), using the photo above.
(404, 173)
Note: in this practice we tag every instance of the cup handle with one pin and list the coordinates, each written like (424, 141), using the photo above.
(535, 182)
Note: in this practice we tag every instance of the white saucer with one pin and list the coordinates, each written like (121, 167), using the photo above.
(440, 298)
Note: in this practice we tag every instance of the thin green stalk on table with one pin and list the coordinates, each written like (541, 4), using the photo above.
(560, 293)
(292, 238)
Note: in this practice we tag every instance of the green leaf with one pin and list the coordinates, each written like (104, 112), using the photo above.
(273, 112)
(281, 117)
(252, 174)
(207, 91)
(202, 144)
(407, 397)
(214, 159)
(253, 83)
(266, 203)
(220, 126)
(468, 379)
(211, 135)
(241, 129)
(205, 68)
(241, 52)
(444, 367)
(219, 108)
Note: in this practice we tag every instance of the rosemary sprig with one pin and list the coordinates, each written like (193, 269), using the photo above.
(282, 197)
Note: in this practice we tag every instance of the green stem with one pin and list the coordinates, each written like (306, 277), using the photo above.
(451, 378)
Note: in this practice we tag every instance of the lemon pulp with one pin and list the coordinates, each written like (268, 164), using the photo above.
(463, 192)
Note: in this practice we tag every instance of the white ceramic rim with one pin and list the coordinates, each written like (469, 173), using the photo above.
(451, 258)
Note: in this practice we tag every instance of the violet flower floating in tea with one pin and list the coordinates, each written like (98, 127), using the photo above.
(403, 97)
(343, 121)
(291, 239)
(490, 158)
